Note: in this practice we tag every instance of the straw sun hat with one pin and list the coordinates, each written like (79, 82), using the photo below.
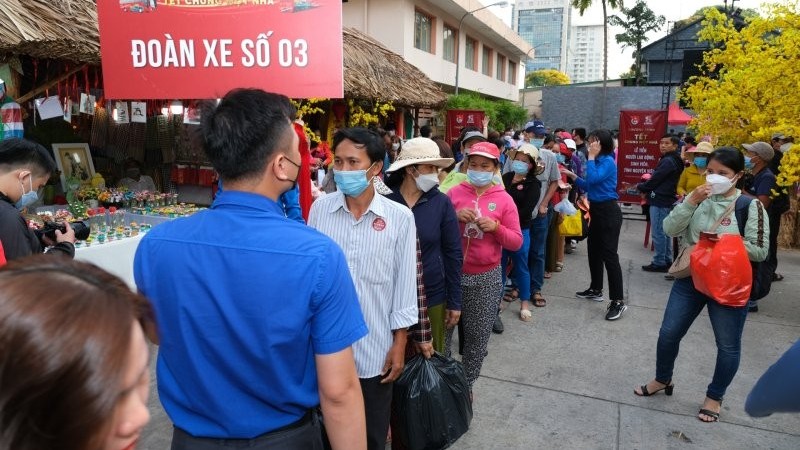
(419, 150)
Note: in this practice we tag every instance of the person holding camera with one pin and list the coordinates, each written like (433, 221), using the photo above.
(25, 167)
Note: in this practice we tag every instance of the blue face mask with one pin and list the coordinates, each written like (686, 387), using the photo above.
(351, 182)
(748, 163)
(561, 158)
(520, 167)
(537, 142)
(478, 178)
(28, 198)
(700, 162)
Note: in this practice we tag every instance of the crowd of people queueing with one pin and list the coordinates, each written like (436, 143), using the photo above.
(277, 332)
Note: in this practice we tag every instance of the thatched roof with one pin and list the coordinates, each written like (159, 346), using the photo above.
(50, 29)
(67, 29)
(375, 72)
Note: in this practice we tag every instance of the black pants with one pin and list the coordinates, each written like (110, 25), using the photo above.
(377, 406)
(602, 244)
(305, 434)
(774, 230)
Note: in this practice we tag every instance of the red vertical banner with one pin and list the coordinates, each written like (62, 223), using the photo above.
(460, 118)
(638, 152)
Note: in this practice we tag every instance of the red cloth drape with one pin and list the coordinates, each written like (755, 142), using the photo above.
(304, 177)
(2, 256)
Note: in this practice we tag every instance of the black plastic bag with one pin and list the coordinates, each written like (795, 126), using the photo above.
(431, 403)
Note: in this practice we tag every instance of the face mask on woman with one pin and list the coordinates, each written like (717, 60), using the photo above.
(520, 167)
(700, 162)
(478, 178)
(720, 184)
(426, 182)
(396, 146)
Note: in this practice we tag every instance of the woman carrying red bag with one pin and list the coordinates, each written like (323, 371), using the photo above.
(698, 213)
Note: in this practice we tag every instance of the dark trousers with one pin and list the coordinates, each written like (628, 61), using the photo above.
(306, 434)
(602, 244)
(377, 406)
(774, 230)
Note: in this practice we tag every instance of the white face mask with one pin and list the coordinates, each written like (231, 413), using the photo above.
(720, 184)
(395, 146)
(426, 182)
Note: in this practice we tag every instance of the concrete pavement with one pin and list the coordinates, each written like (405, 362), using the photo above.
(566, 378)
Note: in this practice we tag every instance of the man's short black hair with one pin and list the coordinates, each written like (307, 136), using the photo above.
(425, 131)
(580, 132)
(370, 140)
(243, 132)
(672, 138)
(17, 153)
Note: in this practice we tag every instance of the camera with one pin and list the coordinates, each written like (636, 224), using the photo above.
(80, 228)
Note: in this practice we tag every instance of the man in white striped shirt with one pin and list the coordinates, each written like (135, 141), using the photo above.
(378, 237)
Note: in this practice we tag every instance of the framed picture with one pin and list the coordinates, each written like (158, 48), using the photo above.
(74, 160)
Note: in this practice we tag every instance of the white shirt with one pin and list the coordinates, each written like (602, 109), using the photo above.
(381, 254)
(145, 183)
(550, 174)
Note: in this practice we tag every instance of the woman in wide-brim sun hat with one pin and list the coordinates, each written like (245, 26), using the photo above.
(413, 179)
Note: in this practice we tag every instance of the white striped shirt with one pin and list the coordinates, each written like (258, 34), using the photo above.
(380, 249)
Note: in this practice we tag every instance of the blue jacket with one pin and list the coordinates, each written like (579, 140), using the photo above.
(662, 187)
(600, 183)
(440, 242)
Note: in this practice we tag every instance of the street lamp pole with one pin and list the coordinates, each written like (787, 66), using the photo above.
(458, 36)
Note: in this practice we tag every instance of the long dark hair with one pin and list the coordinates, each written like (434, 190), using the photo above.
(606, 140)
(65, 337)
(729, 157)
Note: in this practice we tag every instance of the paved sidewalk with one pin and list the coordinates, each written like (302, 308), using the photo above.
(566, 379)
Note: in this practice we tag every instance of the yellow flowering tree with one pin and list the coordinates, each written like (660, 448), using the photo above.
(306, 107)
(748, 82)
(361, 113)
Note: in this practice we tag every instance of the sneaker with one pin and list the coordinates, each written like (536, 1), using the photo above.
(655, 268)
(615, 309)
(752, 308)
(591, 294)
(498, 327)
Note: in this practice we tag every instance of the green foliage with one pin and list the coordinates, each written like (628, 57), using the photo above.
(638, 21)
(546, 77)
(502, 113)
(748, 13)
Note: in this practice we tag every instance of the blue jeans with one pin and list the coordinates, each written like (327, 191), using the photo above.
(683, 306)
(536, 254)
(520, 273)
(662, 242)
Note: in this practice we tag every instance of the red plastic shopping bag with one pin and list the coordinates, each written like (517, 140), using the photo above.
(721, 269)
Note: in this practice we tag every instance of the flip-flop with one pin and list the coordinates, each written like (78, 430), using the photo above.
(707, 412)
(548, 275)
(525, 315)
(538, 300)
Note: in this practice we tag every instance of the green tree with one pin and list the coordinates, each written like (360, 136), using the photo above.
(502, 113)
(638, 21)
(582, 6)
(747, 13)
(546, 77)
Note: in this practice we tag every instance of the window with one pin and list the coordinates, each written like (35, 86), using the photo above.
(423, 29)
(470, 54)
(500, 67)
(486, 61)
(512, 73)
(450, 42)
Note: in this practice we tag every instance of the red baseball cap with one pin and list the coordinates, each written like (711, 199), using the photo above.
(485, 149)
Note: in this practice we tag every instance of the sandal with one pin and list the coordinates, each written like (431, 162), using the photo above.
(668, 388)
(707, 412)
(538, 300)
(548, 275)
(559, 266)
(525, 315)
(777, 277)
(511, 294)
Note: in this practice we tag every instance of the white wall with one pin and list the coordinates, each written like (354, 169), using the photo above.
(391, 22)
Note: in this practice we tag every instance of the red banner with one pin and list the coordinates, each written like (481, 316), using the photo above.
(186, 49)
(638, 152)
(460, 118)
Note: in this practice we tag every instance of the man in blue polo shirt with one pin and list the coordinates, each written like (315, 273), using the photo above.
(257, 313)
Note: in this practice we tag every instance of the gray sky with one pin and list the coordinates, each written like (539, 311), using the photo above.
(619, 61)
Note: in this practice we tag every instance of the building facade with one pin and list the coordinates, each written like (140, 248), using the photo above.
(585, 55)
(426, 33)
(545, 25)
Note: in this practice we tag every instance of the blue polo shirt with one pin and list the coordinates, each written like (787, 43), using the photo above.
(600, 183)
(244, 299)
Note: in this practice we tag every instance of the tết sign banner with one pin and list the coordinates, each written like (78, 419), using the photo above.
(166, 49)
(638, 152)
(460, 118)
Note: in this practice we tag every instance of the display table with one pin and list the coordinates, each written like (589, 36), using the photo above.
(116, 257)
